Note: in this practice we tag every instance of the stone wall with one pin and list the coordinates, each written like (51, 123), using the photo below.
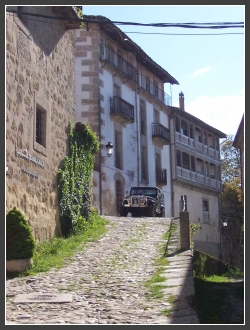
(39, 72)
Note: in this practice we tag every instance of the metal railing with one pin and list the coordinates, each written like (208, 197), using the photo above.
(154, 90)
(158, 130)
(161, 175)
(122, 107)
(108, 54)
(111, 56)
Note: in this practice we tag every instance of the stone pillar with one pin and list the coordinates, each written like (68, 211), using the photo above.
(184, 230)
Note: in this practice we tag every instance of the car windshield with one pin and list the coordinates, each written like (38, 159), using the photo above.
(144, 191)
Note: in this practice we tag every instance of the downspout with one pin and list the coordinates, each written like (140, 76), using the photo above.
(138, 138)
(171, 171)
(220, 228)
(100, 154)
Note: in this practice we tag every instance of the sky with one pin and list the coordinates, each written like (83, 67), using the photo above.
(209, 68)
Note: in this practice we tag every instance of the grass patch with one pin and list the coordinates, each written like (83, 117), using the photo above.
(53, 253)
(215, 298)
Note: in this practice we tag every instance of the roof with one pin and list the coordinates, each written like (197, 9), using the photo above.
(68, 12)
(239, 136)
(175, 110)
(119, 36)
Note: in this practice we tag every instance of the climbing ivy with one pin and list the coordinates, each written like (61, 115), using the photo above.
(80, 14)
(74, 179)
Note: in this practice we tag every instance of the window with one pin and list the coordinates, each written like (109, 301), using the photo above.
(155, 88)
(205, 206)
(118, 149)
(177, 125)
(156, 116)
(185, 160)
(147, 84)
(119, 196)
(144, 165)
(120, 59)
(41, 126)
(191, 131)
(110, 53)
(143, 117)
(117, 90)
(192, 163)
(178, 158)
(184, 130)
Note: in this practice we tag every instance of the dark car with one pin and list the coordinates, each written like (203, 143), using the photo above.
(143, 201)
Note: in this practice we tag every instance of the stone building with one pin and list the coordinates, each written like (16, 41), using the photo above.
(40, 102)
(238, 143)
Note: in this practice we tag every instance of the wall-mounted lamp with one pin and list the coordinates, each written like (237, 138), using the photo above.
(109, 147)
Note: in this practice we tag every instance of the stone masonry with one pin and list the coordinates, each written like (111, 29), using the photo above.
(39, 72)
(105, 282)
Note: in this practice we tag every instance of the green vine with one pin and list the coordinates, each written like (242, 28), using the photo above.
(80, 14)
(74, 180)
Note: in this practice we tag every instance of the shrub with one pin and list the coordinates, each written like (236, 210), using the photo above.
(20, 243)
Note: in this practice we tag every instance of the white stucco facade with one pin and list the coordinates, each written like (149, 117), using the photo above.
(120, 94)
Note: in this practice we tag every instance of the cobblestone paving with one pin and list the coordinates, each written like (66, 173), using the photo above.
(106, 280)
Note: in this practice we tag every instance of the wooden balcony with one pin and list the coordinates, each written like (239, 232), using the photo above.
(121, 111)
(160, 134)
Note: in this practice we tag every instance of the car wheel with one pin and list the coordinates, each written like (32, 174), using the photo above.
(163, 213)
(123, 212)
(152, 212)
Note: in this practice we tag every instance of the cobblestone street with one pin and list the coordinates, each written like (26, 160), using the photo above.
(106, 280)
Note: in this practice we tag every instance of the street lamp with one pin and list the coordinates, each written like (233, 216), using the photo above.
(109, 147)
(225, 223)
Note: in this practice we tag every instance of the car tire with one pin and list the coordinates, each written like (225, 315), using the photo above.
(163, 213)
(152, 212)
(123, 212)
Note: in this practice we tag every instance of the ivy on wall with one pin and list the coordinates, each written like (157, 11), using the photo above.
(74, 179)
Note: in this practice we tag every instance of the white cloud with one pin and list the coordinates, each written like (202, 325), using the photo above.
(221, 112)
(201, 71)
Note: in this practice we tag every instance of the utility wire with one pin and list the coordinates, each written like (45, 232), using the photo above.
(103, 20)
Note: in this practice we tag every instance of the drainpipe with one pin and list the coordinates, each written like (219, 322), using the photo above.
(138, 138)
(100, 154)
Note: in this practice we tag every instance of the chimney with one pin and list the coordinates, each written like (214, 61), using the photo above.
(181, 101)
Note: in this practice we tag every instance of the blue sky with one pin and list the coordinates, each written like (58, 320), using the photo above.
(209, 68)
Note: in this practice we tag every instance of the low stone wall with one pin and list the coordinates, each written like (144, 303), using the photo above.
(206, 265)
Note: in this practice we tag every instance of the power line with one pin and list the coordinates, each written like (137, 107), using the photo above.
(103, 20)
(186, 34)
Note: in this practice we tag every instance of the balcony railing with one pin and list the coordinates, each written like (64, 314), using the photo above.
(154, 90)
(121, 109)
(197, 178)
(161, 175)
(111, 56)
(160, 133)
(202, 148)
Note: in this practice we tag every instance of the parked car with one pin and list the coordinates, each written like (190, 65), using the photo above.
(143, 201)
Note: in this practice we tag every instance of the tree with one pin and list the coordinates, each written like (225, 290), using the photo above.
(231, 199)
(230, 166)
(232, 205)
